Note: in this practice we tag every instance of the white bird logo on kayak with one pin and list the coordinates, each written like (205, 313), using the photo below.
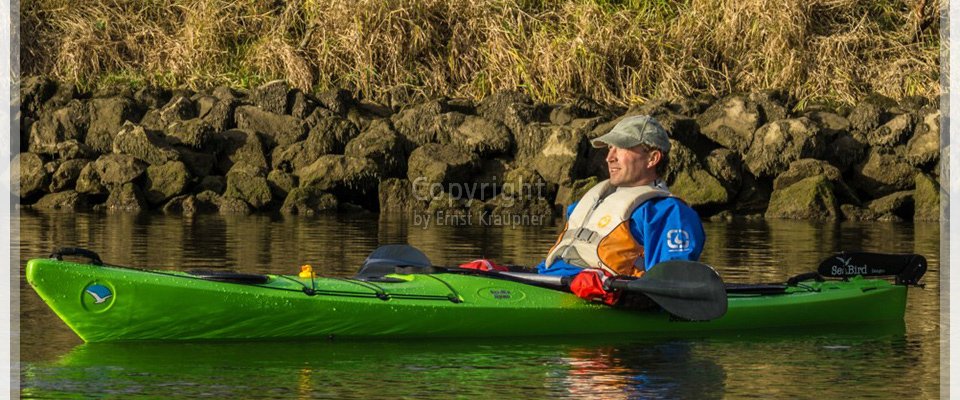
(100, 293)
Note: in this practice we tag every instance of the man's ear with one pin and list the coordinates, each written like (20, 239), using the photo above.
(655, 157)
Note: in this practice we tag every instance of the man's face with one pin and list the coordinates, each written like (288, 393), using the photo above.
(633, 166)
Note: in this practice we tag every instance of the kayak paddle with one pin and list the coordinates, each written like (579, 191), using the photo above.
(686, 289)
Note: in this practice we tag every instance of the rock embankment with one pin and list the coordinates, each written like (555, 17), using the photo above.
(275, 148)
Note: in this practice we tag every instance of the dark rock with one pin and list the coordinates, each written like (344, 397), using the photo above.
(147, 146)
(308, 201)
(272, 96)
(726, 166)
(220, 117)
(422, 124)
(831, 124)
(845, 151)
(67, 123)
(178, 109)
(330, 135)
(213, 183)
(188, 205)
(88, 182)
(508, 207)
(66, 174)
(779, 143)
(350, 179)
(301, 104)
(397, 195)
(232, 206)
(811, 198)
(226, 93)
(891, 133)
(281, 183)
(125, 198)
(384, 146)
(753, 196)
(698, 188)
(882, 173)
(772, 104)
(244, 146)
(199, 163)
(868, 115)
(511, 108)
(118, 169)
(337, 100)
(66, 200)
(897, 204)
(35, 91)
(150, 97)
(562, 157)
(808, 167)
(165, 181)
(926, 197)
(277, 130)
(247, 183)
(71, 149)
(27, 170)
(194, 133)
(731, 123)
(923, 149)
(441, 164)
(483, 137)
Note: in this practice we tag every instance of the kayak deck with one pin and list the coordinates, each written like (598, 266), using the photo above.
(106, 303)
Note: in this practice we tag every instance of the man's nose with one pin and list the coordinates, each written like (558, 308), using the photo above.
(611, 154)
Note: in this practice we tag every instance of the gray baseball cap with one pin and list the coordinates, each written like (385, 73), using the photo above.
(633, 131)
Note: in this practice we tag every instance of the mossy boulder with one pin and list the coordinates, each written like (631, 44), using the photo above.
(923, 149)
(118, 169)
(66, 174)
(125, 198)
(699, 189)
(891, 133)
(107, 116)
(779, 143)
(882, 173)
(165, 181)
(397, 195)
(308, 201)
(441, 164)
(809, 167)
(88, 181)
(926, 199)
(247, 183)
(277, 130)
(147, 146)
(350, 179)
(27, 170)
(66, 200)
(811, 198)
(563, 155)
(194, 133)
(483, 136)
(731, 123)
(241, 146)
(382, 144)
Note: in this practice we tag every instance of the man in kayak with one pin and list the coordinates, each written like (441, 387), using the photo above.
(631, 222)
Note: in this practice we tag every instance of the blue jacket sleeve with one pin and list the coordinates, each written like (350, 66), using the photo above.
(668, 229)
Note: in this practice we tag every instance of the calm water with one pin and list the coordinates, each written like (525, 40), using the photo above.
(894, 362)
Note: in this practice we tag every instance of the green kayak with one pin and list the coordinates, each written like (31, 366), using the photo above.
(103, 303)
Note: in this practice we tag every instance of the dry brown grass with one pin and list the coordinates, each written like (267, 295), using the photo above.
(619, 52)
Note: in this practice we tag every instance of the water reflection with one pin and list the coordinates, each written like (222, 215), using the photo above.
(832, 364)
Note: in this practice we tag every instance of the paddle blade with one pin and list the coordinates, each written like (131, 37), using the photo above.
(687, 289)
(385, 259)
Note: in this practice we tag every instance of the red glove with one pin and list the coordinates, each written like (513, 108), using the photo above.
(588, 284)
(484, 265)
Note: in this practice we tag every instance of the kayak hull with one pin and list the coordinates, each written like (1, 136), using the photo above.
(105, 303)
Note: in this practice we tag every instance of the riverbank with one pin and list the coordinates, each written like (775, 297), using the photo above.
(276, 148)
